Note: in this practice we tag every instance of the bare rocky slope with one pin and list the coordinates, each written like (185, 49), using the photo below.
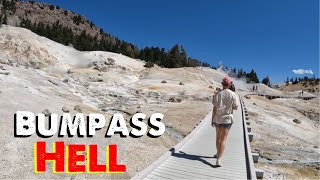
(286, 136)
(49, 14)
(37, 74)
(311, 86)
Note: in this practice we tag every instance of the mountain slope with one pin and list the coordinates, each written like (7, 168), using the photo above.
(71, 29)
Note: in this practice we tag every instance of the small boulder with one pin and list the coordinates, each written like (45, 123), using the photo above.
(179, 100)
(297, 121)
(254, 103)
(110, 61)
(181, 83)
(78, 108)
(65, 109)
(46, 112)
(66, 80)
(104, 69)
(247, 97)
(96, 68)
(164, 81)
(172, 99)
(104, 110)
(99, 80)
(96, 79)
(5, 73)
(315, 146)
(86, 84)
(211, 87)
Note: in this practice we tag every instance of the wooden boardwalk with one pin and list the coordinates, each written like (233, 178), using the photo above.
(270, 96)
(193, 157)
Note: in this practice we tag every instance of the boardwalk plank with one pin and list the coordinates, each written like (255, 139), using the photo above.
(208, 171)
(190, 174)
(159, 176)
(208, 168)
(199, 174)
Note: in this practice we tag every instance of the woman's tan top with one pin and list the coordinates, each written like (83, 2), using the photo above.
(225, 101)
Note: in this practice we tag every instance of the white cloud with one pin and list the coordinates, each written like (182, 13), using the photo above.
(302, 71)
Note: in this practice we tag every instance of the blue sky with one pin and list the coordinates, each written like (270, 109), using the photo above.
(273, 37)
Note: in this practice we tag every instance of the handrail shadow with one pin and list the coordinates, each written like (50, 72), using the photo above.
(184, 155)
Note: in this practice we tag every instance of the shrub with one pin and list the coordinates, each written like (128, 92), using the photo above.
(181, 83)
(51, 7)
(77, 20)
(149, 64)
(266, 81)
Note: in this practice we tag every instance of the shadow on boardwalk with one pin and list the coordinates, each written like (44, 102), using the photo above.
(184, 155)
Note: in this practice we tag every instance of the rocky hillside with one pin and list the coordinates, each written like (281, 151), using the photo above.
(311, 86)
(49, 14)
(32, 15)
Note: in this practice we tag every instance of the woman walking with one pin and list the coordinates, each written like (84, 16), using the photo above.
(224, 102)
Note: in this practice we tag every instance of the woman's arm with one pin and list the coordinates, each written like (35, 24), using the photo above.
(234, 103)
(214, 112)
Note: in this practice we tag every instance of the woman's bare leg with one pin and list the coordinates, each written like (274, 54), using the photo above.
(223, 140)
(218, 134)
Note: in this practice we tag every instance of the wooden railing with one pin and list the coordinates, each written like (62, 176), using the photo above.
(251, 174)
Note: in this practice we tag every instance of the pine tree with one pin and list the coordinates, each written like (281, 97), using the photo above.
(129, 51)
(0, 18)
(266, 81)
(240, 73)
(51, 7)
(143, 54)
(184, 56)
(252, 77)
(291, 80)
(5, 19)
(175, 59)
